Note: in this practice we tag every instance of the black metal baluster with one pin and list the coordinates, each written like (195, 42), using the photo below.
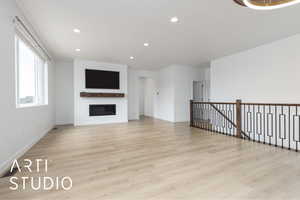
(201, 117)
(215, 121)
(193, 113)
(264, 111)
(249, 121)
(298, 129)
(276, 127)
(212, 119)
(280, 126)
(208, 117)
(220, 120)
(270, 125)
(253, 123)
(233, 117)
(258, 123)
(289, 121)
(222, 108)
(198, 115)
(205, 122)
(245, 119)
(204, 117)
(203, 112)
(225, 121)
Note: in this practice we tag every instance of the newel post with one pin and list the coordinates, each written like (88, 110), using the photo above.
(191, 113)
(239, 118)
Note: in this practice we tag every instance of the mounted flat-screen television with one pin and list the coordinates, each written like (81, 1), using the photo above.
(99, 79)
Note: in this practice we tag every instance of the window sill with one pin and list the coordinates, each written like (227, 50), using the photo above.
(30, 105)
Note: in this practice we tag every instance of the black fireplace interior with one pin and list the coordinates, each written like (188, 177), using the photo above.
(102, 110)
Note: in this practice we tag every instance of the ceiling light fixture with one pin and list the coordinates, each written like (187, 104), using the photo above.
(146, 44)
(76, 30)
(266, 4)
(77, 50)
(174, 20)
(131, 57)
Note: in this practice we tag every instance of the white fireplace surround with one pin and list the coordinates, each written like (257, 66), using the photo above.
(81, 104)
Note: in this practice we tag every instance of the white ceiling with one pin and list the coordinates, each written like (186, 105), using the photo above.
(114, 30)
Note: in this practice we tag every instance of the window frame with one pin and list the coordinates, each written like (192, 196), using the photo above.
(40, 98)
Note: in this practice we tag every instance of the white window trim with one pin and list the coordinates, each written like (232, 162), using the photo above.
(17, 81)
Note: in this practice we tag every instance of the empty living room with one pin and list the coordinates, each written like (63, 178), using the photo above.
(149, 100)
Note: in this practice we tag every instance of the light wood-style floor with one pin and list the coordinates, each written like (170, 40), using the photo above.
(157, 160)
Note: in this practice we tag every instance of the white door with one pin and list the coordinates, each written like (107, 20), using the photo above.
(198, 90)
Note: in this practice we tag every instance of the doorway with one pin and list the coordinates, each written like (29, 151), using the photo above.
(146, 97)
(200, 91)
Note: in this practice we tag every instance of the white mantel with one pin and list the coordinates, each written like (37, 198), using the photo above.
(81, 105)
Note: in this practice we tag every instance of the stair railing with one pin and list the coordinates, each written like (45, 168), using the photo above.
(267, 123)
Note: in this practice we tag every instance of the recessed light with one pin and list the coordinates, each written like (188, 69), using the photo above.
(146, 44)
(77, 50)
(174, 19)
(76, 30)
(131, 57)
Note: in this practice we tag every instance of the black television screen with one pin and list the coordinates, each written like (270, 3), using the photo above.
(99, 79)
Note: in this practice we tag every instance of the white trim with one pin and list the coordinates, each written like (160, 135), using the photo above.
(30, 105)
(17, 70)
(41, 86)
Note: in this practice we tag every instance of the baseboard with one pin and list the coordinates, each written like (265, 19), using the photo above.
(59, 125)
(148, 116)
(63, 123)
(162, 119)
(180, 121)
(6, 165)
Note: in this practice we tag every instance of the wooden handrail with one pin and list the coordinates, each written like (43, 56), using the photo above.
(201, 102)
(257, 104)
(271, 104)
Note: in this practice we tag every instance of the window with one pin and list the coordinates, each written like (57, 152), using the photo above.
(31, 76)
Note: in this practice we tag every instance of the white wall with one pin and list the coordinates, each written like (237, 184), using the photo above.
(22, 127)
(81, 105)
(184, 77)
(207, 82)
(268, 73)
(141, 96)
(64, 93)
(165, 86)
(150, 95)
(133, 94)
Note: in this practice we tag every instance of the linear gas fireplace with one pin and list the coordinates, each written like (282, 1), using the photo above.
(102, 110)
